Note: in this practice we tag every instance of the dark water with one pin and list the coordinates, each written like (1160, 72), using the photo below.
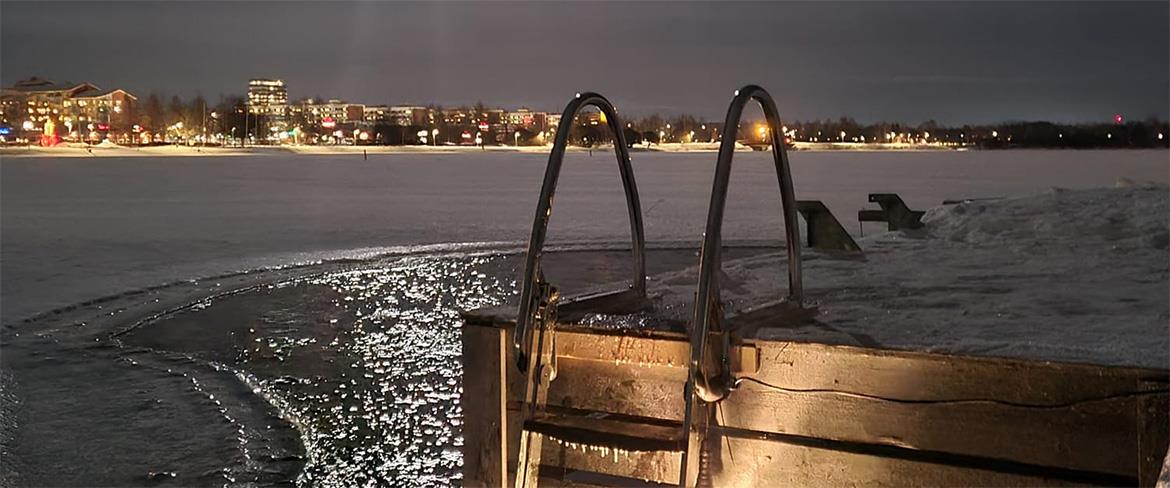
(337, 374)
(365, 362)
(351, 374)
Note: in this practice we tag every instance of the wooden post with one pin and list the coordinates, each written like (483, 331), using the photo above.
(1153, 431)
(484, 400)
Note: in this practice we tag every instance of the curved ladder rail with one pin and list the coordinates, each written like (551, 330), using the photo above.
(538, 299)
(708, 311)
(536, 295)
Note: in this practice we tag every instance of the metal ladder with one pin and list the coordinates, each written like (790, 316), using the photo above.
(702, 392)
(534, 344)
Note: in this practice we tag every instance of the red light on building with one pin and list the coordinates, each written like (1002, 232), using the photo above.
(103, 126)
(1117, 119)
(328, 123)
(483, 126)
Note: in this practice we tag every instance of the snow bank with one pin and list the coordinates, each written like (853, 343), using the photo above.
(1066, 275)
(110, 149)
(1126, 219)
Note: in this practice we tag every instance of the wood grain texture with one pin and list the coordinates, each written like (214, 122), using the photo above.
(920, 419)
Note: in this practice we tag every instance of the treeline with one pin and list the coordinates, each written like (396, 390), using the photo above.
(1148, 133)
(227, 115)
(161, 113)
(1039, 134)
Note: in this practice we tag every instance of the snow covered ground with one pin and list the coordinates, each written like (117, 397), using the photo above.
(1066, 275)
(109, 149)
(76, 229)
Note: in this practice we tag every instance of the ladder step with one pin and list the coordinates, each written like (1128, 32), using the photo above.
(609, 430)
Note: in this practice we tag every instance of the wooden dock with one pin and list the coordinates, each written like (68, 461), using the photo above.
(816, 415)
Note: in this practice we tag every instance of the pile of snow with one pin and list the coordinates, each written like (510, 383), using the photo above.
(1068, 275)
(1130, 219)
(107, 144)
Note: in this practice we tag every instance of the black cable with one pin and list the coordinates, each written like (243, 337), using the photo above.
(952, 401)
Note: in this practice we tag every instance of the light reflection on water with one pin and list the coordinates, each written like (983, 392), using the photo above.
(363, 358)
(390, 411)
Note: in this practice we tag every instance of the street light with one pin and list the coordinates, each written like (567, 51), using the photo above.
(516, 138)
(435, 136)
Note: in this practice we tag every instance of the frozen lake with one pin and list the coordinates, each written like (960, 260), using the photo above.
(76, 229)
(362, 358)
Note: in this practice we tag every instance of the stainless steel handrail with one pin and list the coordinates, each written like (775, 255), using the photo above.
(533, 276)
(707, 308)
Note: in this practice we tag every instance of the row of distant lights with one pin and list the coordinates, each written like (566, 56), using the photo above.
(763, 131)
(891, 135)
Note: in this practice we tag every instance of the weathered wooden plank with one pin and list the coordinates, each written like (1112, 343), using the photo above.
(669, 351)
(595, 385)
(484, 405)
(604, 429)
(739, 461)
(760, 462)
(1153, 431)
(657, 466)
(907, 375)
(1095, 436)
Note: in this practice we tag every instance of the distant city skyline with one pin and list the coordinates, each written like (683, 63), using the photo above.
(947, 61)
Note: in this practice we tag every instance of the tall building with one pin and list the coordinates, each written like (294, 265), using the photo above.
(268, 104)
(267, 97)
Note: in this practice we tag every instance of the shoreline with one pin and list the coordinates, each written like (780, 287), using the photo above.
(23, 152)
(77, 151)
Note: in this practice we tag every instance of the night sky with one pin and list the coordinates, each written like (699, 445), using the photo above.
(948, 61)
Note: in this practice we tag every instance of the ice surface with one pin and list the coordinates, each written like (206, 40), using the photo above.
(1069, 275)
(76, 229)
